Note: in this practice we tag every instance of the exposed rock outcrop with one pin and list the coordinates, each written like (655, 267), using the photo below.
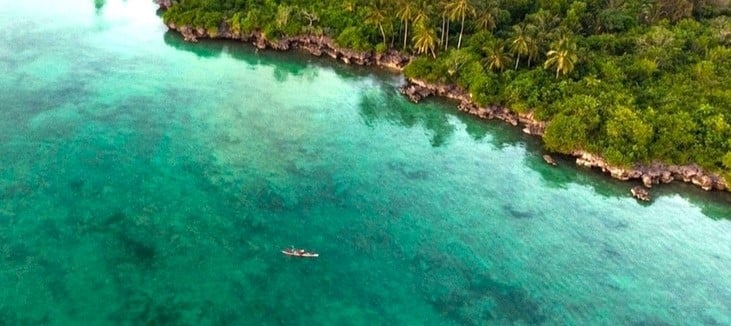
(417, 90)
(313, 44)
(164, 4)
(656, 173)
(640, 193)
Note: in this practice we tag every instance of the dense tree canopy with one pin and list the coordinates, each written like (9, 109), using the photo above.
(635, 81)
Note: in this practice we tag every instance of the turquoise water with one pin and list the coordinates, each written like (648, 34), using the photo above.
(146, 180)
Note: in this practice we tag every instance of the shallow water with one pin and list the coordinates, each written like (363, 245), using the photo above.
(149, 180)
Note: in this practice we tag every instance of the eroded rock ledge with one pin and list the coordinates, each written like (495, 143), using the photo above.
(417, 90)
(655, 173)
(313, 44)
(650, 175)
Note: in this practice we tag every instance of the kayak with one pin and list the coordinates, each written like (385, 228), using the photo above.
(300, 253)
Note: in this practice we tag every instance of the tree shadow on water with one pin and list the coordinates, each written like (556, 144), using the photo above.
(379, 105)
(284, 64)
(565, 173)
(714, 204)
(202, 49)
(282, 72)
(99, 5)
(505, 136)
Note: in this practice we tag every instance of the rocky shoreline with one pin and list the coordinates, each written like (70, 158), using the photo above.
(312, 44)
(649, 175)
(417, 90)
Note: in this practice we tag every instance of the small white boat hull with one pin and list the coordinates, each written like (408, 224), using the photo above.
(300, 254)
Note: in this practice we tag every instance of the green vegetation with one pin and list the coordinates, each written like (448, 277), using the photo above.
(635, 81)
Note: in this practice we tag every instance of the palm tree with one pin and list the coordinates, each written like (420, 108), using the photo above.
(377, 17)
(405, 13)
(519, 43)
(543, 23)
(460, 9)
(486, 16)
(532, 43)
(425, 39)
(563, 57)
(421, 13)
(444, 9)
(592, 81)
(497, 58)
